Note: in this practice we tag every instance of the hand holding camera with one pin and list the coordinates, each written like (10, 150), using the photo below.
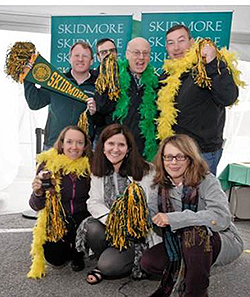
(42, 182)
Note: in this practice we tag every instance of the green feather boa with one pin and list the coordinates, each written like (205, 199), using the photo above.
(147, 107)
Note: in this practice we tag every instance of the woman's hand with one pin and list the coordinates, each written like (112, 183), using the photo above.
(37, 186)
(160, 219)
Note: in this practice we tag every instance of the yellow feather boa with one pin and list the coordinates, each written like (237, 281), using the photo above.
(174, 70)
(50, 225)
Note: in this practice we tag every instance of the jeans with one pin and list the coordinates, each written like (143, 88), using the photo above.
(213, 159)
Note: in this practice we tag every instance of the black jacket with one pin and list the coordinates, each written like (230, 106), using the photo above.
(106, 107)
(201, 112)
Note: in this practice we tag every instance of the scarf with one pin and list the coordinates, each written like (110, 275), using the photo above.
(172, 241)
(147, 108)
(192, 62)
(51, 221)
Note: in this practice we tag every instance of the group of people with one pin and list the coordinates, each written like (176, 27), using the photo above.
(82, 191)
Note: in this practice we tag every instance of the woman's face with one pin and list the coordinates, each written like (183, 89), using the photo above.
(175, 162)
(115, 149)
(73, 144)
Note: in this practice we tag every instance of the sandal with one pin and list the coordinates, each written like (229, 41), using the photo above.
(97, 276)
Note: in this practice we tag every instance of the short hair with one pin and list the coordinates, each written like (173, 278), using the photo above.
(58, 145)
(103, 40)
(132, 165)
(197, 167)
(84, 45)
(178, 27)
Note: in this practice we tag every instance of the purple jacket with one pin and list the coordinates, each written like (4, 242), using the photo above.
(74, 191)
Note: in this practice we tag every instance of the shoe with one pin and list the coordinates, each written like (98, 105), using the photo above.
(96, 275)
(77, 265)
(58, 267)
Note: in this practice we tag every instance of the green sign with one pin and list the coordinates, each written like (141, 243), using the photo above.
(67, 30)
(214, 25)
(47, 76)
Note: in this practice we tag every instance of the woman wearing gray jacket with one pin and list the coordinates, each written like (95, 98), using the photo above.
(192, 211)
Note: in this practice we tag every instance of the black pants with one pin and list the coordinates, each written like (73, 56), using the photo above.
(63, 251)
(111, 262)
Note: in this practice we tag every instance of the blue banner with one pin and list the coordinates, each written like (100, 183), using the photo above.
(66, 30)
(214, 25)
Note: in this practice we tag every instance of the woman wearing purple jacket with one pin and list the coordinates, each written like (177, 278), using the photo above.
(60, 191)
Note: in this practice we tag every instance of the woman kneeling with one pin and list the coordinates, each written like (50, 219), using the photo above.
(192, 212)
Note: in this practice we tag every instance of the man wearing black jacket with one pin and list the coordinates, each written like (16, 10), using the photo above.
(201, 111)
(136, 105)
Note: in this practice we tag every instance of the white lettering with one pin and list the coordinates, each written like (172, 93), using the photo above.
(89, 28)
(157, 41)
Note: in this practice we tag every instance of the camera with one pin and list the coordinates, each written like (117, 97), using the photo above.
(45, 177)
(46, 183)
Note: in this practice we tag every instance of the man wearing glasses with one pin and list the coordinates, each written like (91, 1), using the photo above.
(136, 105)
(105, 47)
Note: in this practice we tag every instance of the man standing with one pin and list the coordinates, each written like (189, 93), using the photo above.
(200, 109)
(136, 105)
(105, 47)
(64, 111)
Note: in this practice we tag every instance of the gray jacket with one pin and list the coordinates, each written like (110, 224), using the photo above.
(213, 212)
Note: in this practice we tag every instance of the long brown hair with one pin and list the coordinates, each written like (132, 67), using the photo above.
(58, 145)
(197, 167)
(132, 165)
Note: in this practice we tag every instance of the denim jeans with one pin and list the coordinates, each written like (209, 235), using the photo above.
(213, 159)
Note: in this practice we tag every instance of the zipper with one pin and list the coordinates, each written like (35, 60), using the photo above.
(73, 179)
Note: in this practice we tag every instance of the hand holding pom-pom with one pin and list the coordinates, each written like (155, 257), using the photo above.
(19, 60)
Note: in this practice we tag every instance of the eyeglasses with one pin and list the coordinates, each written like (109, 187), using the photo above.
(107, 51)
(170, 158)
(138, 53)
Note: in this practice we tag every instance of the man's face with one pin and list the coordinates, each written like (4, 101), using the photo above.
(138, 55)
(177, 43)
(105, 49)
(80, 59)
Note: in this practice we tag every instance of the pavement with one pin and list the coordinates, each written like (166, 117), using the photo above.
(15, 240)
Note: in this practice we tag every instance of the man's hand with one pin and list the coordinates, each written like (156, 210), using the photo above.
(208, 52)
(91, 106)
(160, 219)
